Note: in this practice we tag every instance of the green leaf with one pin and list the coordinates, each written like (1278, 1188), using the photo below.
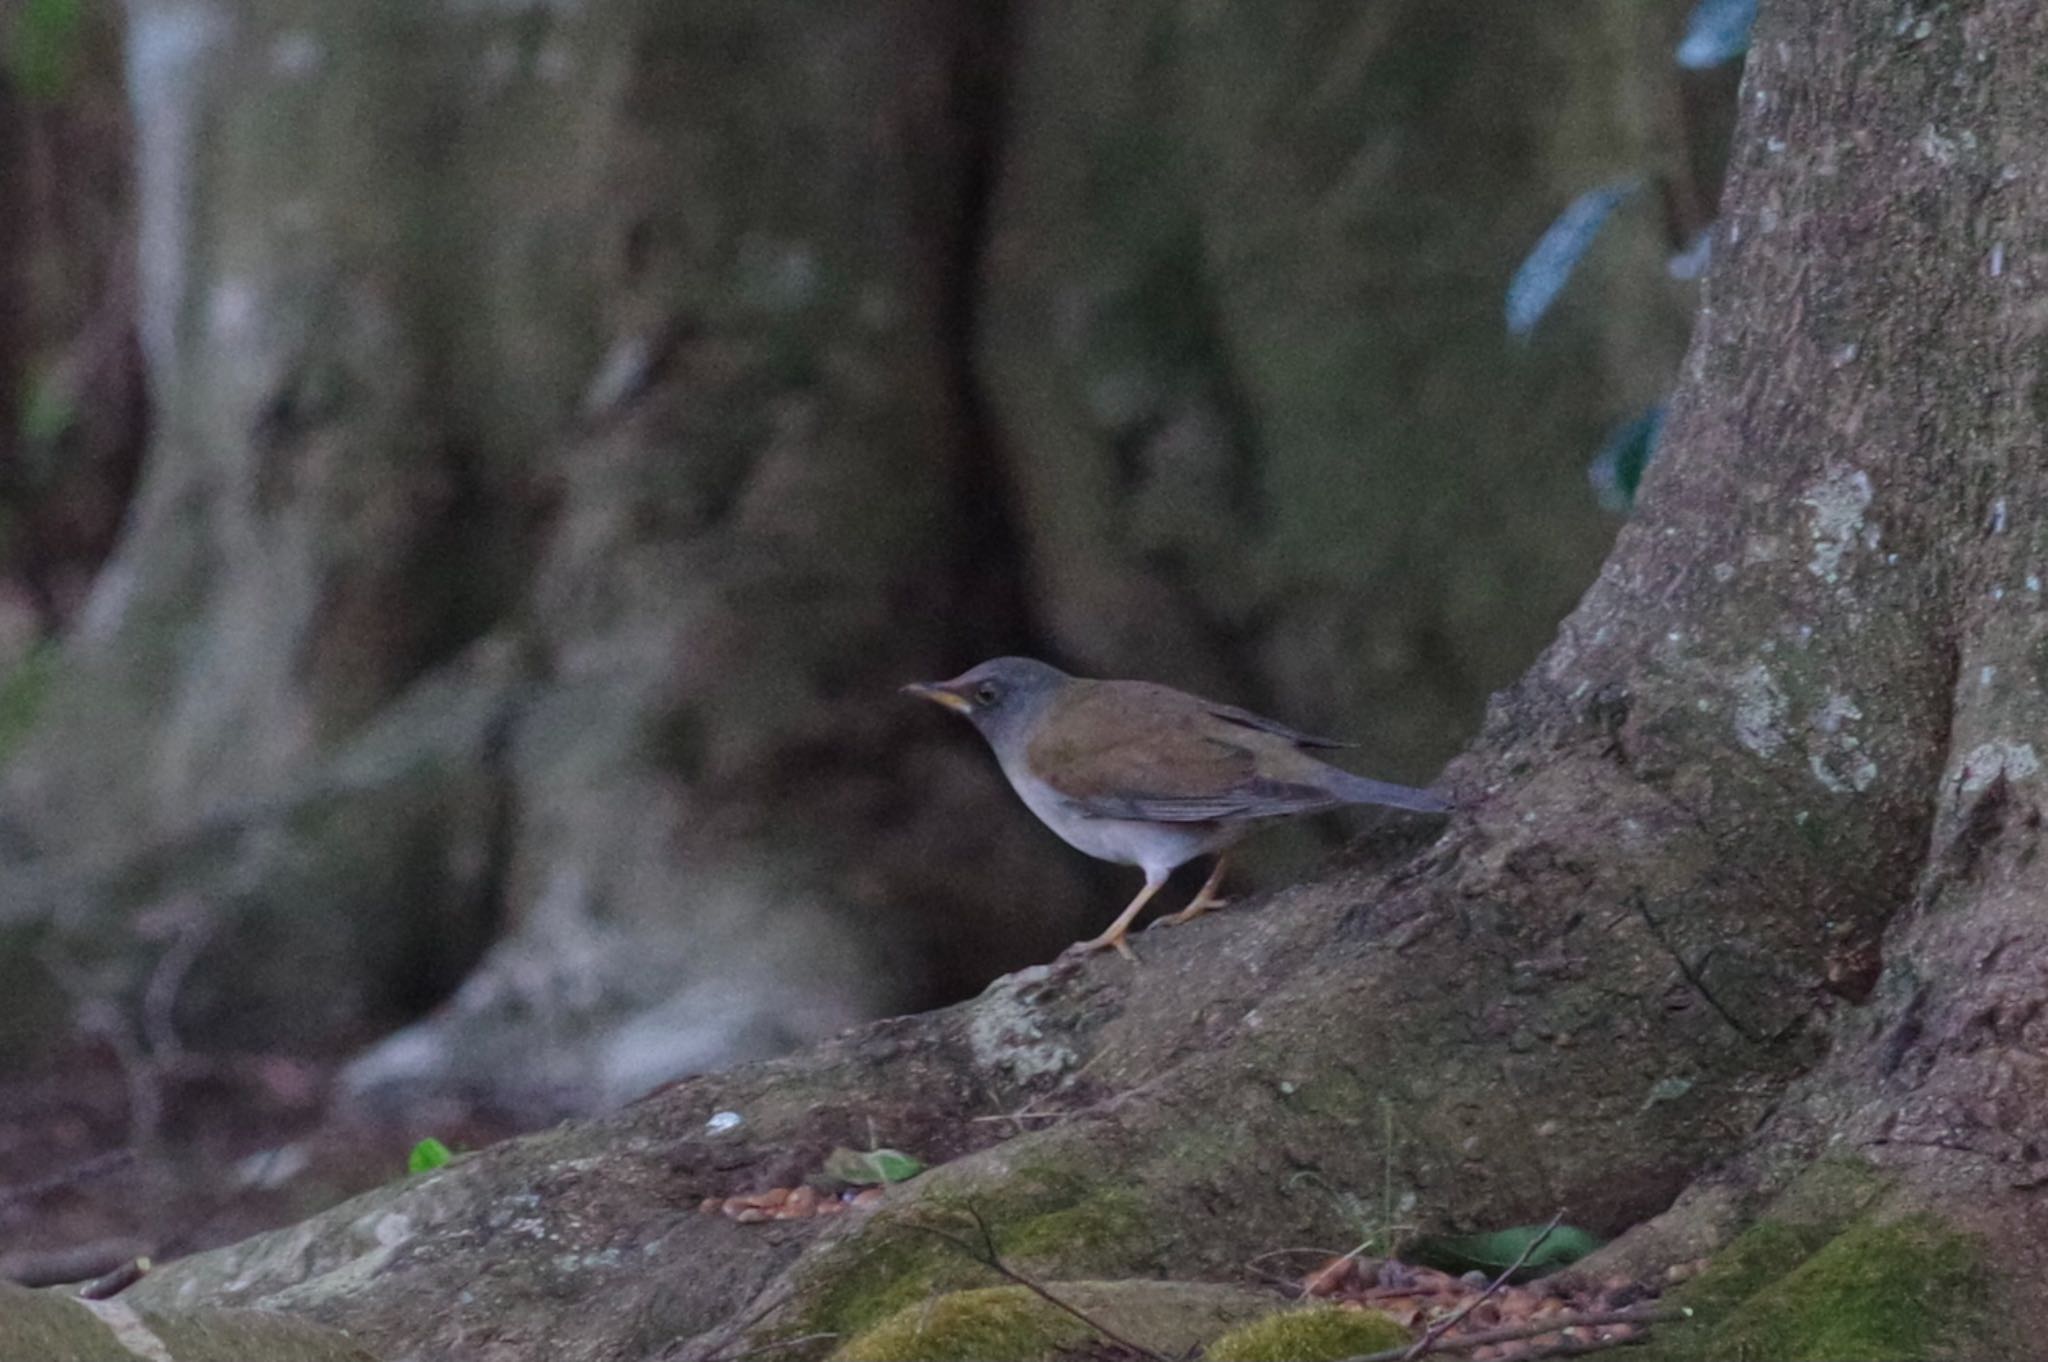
(866, 1167)
(894, 1165)
(428, 1155)
(1493, 1253)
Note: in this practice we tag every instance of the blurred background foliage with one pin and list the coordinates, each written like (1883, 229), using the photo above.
(472, 476)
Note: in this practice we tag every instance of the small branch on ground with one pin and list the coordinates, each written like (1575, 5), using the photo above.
(1457, 1316)
(780, 1345)
(1292, 1281)
(1556, 1324)
(62, 1266)
(115, 1282)
(987, 1256)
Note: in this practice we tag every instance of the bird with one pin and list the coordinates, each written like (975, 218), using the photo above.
(1145, 775)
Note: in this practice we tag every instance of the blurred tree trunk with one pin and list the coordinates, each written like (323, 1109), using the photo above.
(13, 287)
(1741, 908)
(77, 417)
(572, 422)
(1242, 324)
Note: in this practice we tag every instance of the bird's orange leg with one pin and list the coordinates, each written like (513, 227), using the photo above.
(1205, 898)
(1113, 939)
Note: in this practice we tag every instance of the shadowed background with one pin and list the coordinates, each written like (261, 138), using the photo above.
(474, 476)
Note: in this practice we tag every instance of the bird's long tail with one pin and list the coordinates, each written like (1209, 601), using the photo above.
(1355, 789)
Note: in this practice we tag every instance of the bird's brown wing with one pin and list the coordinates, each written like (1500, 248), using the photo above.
(1130, 749)
(1246, 719)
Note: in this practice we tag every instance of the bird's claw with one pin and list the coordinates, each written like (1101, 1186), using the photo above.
(1081, 950)
(1189, 913)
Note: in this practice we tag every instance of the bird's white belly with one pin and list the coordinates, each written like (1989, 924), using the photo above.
(1155, 847)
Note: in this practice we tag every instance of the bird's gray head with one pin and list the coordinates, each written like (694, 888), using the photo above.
(1002, 697)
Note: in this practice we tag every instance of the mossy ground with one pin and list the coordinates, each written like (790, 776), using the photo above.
(1051, 1224)
(1013, 1324)
(998, 1324)
(1876, 1289)
(1316, 1335)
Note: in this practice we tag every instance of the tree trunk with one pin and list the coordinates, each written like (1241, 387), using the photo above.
(1736, 909)
(563, 449)
(557, 455)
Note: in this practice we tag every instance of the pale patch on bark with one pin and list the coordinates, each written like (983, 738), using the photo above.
(1759, 711)
(1838, 501)
(1986, 762)
(1836, 757)
(1005, 1034)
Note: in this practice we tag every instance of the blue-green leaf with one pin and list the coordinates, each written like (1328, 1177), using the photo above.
(1501, 1249)
(866, 1167)
(1716, 31)
(1549, 267)
(1617, 470)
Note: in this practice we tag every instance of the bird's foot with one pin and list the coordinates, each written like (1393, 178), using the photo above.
(1116, 940)
(1202, 904)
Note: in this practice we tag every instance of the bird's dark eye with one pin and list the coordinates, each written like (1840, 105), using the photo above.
(988, 692)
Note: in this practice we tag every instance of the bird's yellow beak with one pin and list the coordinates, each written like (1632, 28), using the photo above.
(938, 695)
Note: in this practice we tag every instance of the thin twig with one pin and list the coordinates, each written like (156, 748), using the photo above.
(1634, 1314)
(1291, 1281)
(1457, 1316)
(1579, 1347)
(780, 1345)
(1106, 1104)
(990, 1259)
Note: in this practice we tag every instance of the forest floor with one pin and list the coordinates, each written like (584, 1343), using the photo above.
(102, 1162)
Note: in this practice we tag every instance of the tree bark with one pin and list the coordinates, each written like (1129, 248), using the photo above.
(1736, 910)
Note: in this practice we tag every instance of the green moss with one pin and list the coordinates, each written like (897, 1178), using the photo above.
(878, 1277)
(1010, 1322)
(998, 1324)
(1767, 1251)
(1095, 1234)
(1314, 1335)
(1049, 1222)
(1876, 1290)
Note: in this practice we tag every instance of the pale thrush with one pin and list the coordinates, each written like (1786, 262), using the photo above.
(1146, 775)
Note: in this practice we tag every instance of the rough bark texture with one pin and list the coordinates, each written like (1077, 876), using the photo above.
(1741, 894)
(572, 421)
